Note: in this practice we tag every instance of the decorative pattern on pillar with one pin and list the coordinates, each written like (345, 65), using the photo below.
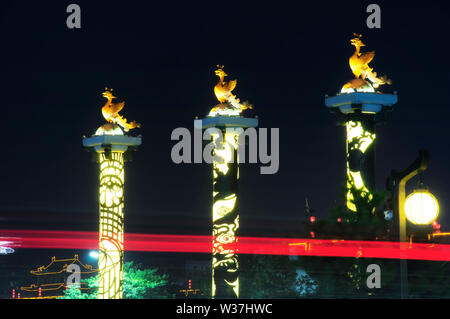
(111, 199)
(360, 155)
(225, 264)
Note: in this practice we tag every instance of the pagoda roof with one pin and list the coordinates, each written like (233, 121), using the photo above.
(58, 266)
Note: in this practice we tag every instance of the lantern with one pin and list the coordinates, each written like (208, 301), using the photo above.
(421, 207)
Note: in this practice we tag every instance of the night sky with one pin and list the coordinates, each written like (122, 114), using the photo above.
(160, 59)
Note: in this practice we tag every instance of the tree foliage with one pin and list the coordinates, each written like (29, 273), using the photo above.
(267, 277)
(367, 222)
(143, 283)
(138, 283)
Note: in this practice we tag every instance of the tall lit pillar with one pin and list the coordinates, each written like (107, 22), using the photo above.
(225, 208)
(111, 147)
(360, 112)
(360, 107)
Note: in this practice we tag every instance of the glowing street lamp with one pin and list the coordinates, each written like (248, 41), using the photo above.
(94, 254)
(396, 183)
(421, 207)
(111, 145)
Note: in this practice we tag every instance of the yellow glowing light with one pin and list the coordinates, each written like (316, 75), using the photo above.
(440, 234)
(225, 224)
(357, 179)
(187, 291)
(229, 104)
(111, 111)
(355, 130)
(359, 139)
(111, 226)
(359, 64)
(421, 207)
(226, 153)
(223, 207)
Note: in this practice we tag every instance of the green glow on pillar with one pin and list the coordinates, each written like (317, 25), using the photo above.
(358, 139)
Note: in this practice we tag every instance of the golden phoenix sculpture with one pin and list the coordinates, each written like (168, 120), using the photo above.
(111, 111)
(366, 80)
(229, 103)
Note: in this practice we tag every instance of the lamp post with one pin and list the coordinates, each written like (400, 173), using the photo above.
(396, 184)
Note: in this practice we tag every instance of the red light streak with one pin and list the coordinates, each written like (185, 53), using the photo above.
(245, 245)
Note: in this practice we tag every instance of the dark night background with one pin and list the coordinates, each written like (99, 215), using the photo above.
(160, 59)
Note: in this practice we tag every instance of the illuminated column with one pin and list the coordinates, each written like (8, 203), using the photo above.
(360, 112)
(111, 150)
(360, 153)
(225, 210)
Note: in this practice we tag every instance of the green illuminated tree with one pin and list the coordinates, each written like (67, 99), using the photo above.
(137, 284)
(143, 283)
